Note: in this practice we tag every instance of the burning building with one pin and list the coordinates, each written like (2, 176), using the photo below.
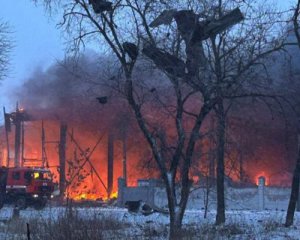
(103, 142)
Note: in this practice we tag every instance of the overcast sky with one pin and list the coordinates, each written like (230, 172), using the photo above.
(37, 43)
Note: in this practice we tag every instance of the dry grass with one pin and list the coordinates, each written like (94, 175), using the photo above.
(67, 227)
(73, 226)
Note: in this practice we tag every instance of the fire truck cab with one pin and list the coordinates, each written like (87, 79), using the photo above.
(25, 186)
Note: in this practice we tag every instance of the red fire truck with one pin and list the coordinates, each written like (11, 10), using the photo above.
(25, 186)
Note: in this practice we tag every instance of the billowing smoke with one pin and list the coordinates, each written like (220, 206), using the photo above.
(66, 91)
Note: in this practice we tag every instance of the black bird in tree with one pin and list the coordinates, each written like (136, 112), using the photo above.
(102, 100)
(131, 49)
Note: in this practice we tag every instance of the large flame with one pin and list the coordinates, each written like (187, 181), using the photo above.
(85, 165)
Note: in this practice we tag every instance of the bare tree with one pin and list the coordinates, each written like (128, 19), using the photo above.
(5, 48)
(172, 153)
(296, 22)
(196, 55)
(236, 68)
(296, 175)
(294, 192)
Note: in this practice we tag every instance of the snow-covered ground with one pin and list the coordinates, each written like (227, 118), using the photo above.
(239, 224)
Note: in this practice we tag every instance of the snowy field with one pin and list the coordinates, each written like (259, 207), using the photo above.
(116, 223)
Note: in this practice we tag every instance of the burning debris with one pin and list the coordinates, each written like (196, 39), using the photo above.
(102, 100)
(166, 61)
(100, 6)
(194, 30)
(131, 49)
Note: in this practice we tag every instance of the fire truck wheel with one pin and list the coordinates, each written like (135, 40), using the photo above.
(40, 204)
(21, 203)
(1, 201)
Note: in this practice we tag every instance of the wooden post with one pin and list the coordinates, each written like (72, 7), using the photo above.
(261, 193)
(28, 231)
(121, 189)
(62, 159)
(241, 160)
(110, 164)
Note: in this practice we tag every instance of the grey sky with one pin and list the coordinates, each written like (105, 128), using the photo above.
(36, 42)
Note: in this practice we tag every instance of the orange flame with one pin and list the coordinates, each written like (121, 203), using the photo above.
(85, 196)
(93, 197)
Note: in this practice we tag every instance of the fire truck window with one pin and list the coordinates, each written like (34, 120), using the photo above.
(47, 176)
(27, 176)
(16, 175)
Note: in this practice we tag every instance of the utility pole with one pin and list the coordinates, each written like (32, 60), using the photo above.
(298, 198)
(125, 159)
(17, 118)
(43, 146)
(17, 122)
(7, 120)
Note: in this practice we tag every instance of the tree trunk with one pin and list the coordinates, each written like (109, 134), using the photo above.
(294, 192)
(175, 224)
(212, 154)
(206, 196)
(62, 159)
(176, 211)
(110, 164)
(220, 218)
